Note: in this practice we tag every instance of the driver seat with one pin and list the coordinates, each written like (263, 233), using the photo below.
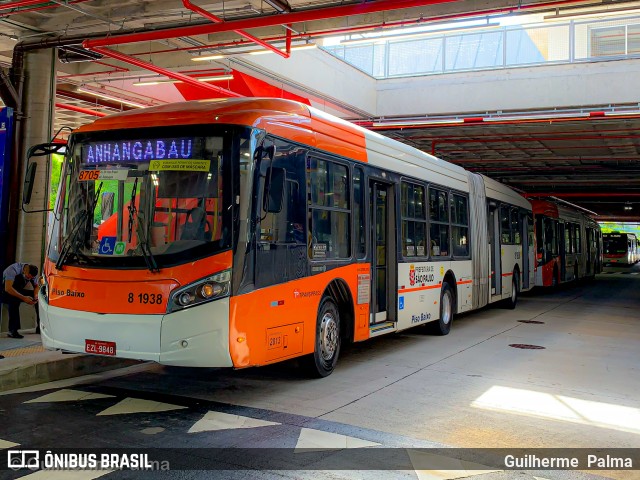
(196, 225)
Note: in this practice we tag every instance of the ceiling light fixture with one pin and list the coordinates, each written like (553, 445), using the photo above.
(218, 78)
(207, 57)
(114, 98)
(615, 113)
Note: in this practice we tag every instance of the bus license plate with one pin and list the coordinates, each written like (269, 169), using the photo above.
(100, 347)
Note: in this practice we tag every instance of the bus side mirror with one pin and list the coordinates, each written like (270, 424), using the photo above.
(39, 150)
(29, 180)
(274, 194)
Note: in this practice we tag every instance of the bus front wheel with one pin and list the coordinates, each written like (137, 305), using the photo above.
(447, 302)
(327, 346)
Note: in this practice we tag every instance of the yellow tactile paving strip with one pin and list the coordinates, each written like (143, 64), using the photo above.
(17, 352)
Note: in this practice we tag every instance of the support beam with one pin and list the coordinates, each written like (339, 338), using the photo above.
(242, 33)
(163, 71)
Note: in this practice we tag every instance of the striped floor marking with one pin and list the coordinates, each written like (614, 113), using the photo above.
(445, 468)
(311, 440)
(213, 421)
(67, 474)
(68, 395)
(137, 405)
(7, 444)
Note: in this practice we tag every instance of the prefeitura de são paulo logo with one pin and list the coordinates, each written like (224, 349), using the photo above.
(412, 275)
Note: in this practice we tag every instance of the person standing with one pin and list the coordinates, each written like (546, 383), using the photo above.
(14, 280)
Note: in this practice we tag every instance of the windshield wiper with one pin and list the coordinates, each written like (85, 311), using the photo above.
(133, 211)
(70, 245)
(71, 241)
(145, 249)
(91, 212)
(143, 241)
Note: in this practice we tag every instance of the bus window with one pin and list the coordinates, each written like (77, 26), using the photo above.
(577, 240)
(460, 225)
(359, 214)
(540, 244)
(414, 220)
(505, 226)
(550, 239)
(439, 216)
(329, 183)
(516, 226)
(530, 229)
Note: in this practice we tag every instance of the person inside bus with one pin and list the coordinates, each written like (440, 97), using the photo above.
(14, 280)
(196, 225)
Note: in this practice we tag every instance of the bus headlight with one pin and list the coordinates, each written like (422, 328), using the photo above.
(201, 291)
(44, 288)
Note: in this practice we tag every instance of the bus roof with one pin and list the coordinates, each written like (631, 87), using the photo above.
(306, 125)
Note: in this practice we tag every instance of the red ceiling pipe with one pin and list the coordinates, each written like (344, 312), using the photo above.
(583, 194)
(265, 21)
(445, 150)
(22, 3)
(248, 36)
(453, 123)
(86, 111)
(162, 71)
(288, 39)
(319, 33)
(529, 160)
(89, 74)
(34, 9)
(500, 138)
(533, 135)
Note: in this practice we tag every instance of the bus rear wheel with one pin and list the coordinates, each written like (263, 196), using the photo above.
(327, 347)
(512, 301)
(447, 302)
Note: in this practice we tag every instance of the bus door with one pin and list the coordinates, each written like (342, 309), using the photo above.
(496, 257)
(383, 246)
(524, 234)
(562, 241)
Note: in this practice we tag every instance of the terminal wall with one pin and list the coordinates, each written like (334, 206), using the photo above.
(537, 88)
(315, 71)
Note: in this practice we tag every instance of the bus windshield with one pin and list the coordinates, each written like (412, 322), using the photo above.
(616, 243)
(147, 197)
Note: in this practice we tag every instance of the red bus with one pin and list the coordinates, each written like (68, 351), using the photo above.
(568, 244)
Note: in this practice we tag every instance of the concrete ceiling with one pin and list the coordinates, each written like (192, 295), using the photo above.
(594, 155)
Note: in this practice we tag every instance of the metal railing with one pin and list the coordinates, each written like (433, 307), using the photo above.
(495, 48)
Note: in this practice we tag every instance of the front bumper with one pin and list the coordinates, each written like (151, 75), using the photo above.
(194, 337)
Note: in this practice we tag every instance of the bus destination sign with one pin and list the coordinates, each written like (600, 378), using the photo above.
(142, 150)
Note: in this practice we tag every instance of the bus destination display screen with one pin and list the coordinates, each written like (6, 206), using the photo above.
(142, 150)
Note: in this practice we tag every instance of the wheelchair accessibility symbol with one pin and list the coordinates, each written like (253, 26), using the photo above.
(107, 245)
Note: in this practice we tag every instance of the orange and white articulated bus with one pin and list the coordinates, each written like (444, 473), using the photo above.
(244, 232)
(568, 242)
(621, 248)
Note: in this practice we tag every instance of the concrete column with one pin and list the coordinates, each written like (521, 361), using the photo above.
(38, 109)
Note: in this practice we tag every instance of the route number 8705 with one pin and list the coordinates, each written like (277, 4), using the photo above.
(145, 298)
